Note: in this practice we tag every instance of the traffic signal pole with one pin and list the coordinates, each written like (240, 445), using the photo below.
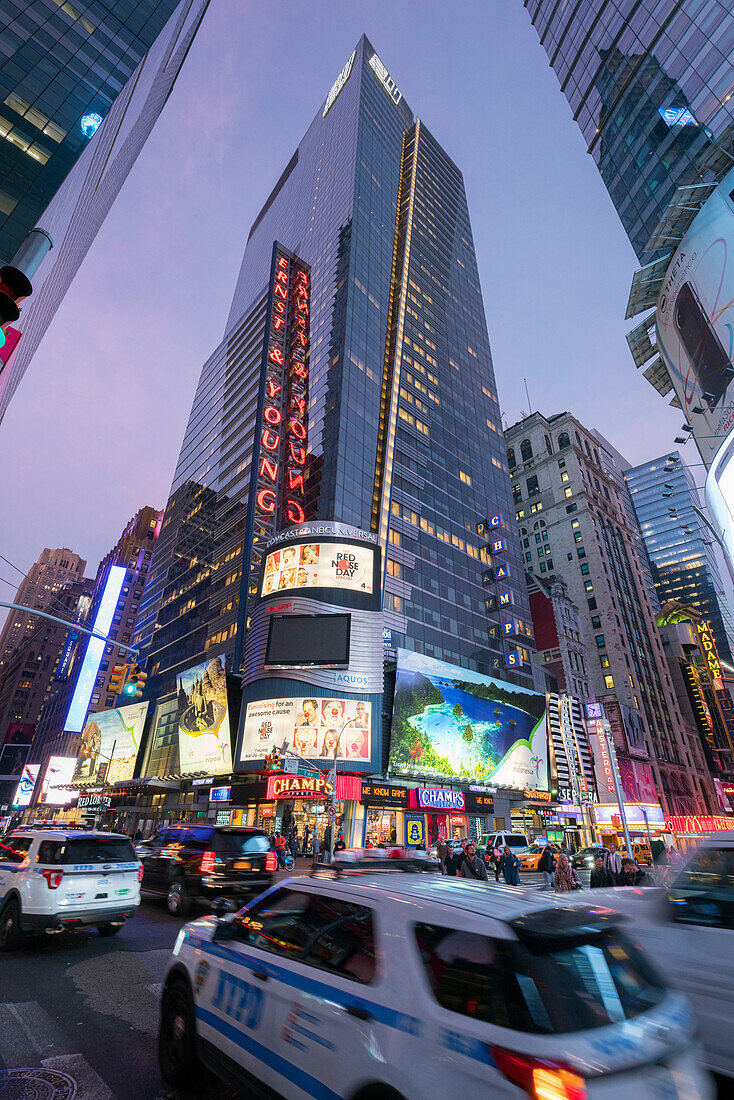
(69, 625)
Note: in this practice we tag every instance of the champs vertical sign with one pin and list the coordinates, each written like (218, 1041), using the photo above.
(280, 495)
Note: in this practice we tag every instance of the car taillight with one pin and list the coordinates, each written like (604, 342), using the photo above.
(539, 1077)
(53, 878)
(207, 863)
(271, 862)
(140, 873)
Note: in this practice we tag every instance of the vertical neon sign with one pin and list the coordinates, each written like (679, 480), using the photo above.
(296, 429)
(95, 648)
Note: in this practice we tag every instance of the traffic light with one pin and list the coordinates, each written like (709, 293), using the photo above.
(134, 683)
(118, 679)
(273, 761)
(14, 287)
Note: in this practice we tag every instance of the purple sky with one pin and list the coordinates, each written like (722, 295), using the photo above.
(94, 430)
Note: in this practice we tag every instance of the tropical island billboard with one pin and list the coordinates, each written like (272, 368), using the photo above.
(452, 723)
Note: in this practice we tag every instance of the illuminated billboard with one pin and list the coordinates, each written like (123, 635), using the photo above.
(204, 742)
(12, 759)
(695, 321)
(449, 722)
(95, 648)
(109, 745)
(24, 792)
(319, 565)
(59, 773)
(310, 727)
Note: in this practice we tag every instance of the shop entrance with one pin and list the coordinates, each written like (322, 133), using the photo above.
(381, 827)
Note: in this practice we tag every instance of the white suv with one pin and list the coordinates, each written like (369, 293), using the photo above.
(402, 985)
(54, 879)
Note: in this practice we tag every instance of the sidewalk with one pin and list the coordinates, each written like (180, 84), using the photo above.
(303, 867)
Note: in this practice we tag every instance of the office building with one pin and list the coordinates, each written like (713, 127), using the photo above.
(82, 86)
(574, 522)
(29, 645)
(678, 544)
(133, 551)
(561, 650)
(404, 435)
(649, 84)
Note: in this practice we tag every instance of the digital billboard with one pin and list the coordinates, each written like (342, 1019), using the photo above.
(449, 722)
(109, 745)
(54, 789)
(12, 759)
(310, 727)
(204, 742)
(319, 565)
(695, 321)
(95, 648)
(24, 792)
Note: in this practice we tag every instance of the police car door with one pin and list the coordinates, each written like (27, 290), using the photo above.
(313, 955)
(13, 851)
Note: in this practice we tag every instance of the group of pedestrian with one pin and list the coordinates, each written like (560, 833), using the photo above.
(463, 861)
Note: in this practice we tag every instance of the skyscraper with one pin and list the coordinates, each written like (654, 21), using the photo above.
(82, 86)
(649, 85)
(684, 565)
(404, 435)
(575, 521)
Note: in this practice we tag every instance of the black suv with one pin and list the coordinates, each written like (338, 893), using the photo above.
(199, 863)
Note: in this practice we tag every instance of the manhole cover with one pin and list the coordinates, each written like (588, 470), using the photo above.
(36, 1084)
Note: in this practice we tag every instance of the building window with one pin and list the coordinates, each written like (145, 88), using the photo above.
(604, 660)
(564, 476)
(548, 445)
(592, 604)
(532, 486)
(596, 622)
(550, 565)
(599, 639)
(516, 494)
(580, 551)
(563, 441)
(585, 569)
(464, 477)
(588, 586)
(526, 450)
(511, 461)
(520, 514)
(568, 491)
(571, 508)
(536, 508)
(609, 682)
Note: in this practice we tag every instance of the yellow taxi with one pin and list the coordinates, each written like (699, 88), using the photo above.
(530, 858)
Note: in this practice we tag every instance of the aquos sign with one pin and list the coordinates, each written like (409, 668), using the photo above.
(438, 798)
(280, 492)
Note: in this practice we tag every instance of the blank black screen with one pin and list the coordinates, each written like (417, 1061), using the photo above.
(308, 640)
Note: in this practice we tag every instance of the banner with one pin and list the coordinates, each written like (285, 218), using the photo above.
(24, 793)
(54, 791)
(109, 745)
(204, 742)
(310, 727)
(452, 722)
(319, 565)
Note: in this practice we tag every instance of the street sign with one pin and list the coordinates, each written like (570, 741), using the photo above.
(331, 812)
(312, 773)
(290, 764)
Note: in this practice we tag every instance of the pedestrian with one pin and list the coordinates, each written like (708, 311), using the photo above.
(510, 866)
(564, 880)
(496, 859)
(614, 862)
(326, 846)
(547, 865)
(472, 866)
(601, 876)
(280, 849)
(564, 848)
(339, 844)
(631, 875)
(441, 854)
(306, 835)
(454, 860)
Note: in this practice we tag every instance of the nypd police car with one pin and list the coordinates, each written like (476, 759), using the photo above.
(56, 879)
(379, 985)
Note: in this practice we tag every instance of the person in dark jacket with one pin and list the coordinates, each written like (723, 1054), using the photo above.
(600, 875)
(510, 866)
(632, 875)
(454, 860)
(547, 864)
(472, 865)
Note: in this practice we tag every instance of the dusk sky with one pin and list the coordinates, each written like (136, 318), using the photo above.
(94, 431)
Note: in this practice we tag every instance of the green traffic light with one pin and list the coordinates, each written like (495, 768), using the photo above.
(130, 689)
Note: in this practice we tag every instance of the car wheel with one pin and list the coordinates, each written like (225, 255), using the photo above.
(10, 932)
(177, 1058)
(108, 929)
(178, 902)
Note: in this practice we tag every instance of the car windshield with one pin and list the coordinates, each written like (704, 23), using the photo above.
(88, 850)
(238, 842)
(509, 984)
(516, 842)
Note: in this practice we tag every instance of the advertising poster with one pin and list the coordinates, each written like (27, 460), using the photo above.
(695, 320)
(12, 759)
(109, 745)
(24, 793)
(204, 742)
(310, 727)
(638, 782)
(54, 789)
(319, 565)
(450, 722)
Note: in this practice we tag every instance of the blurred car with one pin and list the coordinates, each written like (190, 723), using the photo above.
(194, 864)
(366, 985)
(585, 858)
(515, 841)
(688, 930)
(57, 879)
(530, 858)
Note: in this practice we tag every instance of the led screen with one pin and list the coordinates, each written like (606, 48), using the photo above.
(24, 793)
(203, 719)
(311, 727)
(54, 789)
(109, 745)
(450, 722)
(12, 759)
(319, 565)
(95, 649)
(308, 640)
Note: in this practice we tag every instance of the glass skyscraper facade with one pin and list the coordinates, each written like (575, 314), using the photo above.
(62, 65)
(650, 84)
(73, 191)
(684, 566)
(404, 430)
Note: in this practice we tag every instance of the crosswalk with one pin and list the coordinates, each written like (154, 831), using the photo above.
(35, 1059)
